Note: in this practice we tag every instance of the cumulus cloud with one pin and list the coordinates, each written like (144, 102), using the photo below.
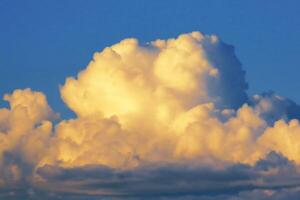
(163, 119)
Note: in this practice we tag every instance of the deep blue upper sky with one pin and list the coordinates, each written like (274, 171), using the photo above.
(43, 42)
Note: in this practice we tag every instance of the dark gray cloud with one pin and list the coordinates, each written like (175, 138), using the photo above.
(273, 176)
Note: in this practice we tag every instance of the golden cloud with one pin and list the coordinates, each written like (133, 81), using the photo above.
(170, 101)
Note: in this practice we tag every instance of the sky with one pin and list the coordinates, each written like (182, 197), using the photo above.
(41, 38)
(149, 99)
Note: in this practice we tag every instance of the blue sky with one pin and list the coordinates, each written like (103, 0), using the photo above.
(43, 42)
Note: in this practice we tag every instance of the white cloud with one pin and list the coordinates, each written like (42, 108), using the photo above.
(169, 104)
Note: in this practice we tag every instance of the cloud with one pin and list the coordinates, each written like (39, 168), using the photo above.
(268, 176)
(158, 120)
(273, 107)
(25, 134)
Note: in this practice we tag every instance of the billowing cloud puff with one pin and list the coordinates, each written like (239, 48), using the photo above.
(164, 119)
(176, 74)
(25, 131)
